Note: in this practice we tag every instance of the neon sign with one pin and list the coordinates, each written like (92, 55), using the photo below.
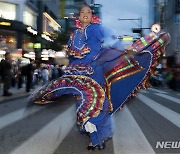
(5, 23)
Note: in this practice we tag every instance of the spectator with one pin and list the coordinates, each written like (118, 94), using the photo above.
(6, 73)
(54, 72)
(60, 70)
(19, 76)
(45, 74)
(29, 76)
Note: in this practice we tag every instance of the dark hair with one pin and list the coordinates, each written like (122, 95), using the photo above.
(85, 5)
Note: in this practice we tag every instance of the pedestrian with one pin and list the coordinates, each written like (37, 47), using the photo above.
(45, 74)
(54, 72)
(29, 74)
(6, 73)
(19, 76)
(60, 70)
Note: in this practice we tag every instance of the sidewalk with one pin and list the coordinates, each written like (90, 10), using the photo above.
(17, 93)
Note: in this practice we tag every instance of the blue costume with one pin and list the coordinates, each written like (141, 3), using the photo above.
(83, 49)
(102, 79)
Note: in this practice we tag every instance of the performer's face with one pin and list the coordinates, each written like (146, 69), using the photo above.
(85, 16)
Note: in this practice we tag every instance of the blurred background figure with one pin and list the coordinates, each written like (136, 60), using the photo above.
(54, 72)
(19, 77)
(28, 73)
(45, 74)
(36, 77)
(60, 70)
(6, 73)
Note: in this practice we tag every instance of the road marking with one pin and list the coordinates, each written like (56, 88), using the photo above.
(162, 110)
(128, 137)
(176, 100)
(12, 117)
(159, 91)
(143, 91)
(49, 137)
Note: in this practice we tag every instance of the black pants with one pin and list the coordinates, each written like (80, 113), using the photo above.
(7, 80)
(28, 83)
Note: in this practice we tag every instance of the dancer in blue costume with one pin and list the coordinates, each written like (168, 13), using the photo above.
(84, 45)
(102, 79)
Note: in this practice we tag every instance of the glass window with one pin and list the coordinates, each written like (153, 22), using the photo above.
(7, 11)
(29, 19)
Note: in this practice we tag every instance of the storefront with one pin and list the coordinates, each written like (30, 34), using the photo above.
(8, 41)
(10, 36)
(15, 36)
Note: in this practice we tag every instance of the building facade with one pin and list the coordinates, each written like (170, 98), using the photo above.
(69, 11)
(24, 23)
(15, 18)
(168, 15)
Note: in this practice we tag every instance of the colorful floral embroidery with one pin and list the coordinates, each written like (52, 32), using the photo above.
(91, 93)
(79, 54)
(124, 68)
(80, 68)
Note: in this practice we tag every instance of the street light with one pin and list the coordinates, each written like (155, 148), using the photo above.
(138, 19)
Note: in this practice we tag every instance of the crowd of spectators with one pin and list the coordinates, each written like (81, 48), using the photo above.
(29, 75)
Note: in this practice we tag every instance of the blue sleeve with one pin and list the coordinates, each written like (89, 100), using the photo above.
(96, 32)
(99, 32)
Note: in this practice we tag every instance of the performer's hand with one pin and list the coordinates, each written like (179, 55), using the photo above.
(128, 48)
(89, 127)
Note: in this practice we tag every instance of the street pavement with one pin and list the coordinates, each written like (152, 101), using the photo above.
(51, 129)
(17, 93)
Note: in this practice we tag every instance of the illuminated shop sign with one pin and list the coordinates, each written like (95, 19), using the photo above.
(46, 37)
(29, 29)
(5, 23)
(49, 24)
(37, 45)
(30, 55)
